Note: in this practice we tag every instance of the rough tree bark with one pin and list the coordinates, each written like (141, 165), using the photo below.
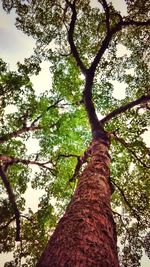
(86, 235)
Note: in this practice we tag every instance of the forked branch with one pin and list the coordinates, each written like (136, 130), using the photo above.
(2, 227)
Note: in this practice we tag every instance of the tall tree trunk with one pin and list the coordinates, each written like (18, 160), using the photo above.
(86, 235)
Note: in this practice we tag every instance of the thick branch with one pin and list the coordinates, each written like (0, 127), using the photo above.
(116, 112)
(104, 46)
(13, 160)
(12, 201)
(110, 33)
(73, 48)
(80, 161)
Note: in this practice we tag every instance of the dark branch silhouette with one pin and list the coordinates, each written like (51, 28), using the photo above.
(73, 48)
(18, 132)
(107, 13)
(127, 146)
(32, 127)
(2, 227)
(104, 46)
(135, 23)
(126, 200)
(12, 201)
(43, 113)
(80, 161)
(116, 112)
(13, 160)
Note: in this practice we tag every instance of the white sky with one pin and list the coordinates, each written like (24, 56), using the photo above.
(14, 47)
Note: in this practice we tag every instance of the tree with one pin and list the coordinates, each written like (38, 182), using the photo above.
(84, 63)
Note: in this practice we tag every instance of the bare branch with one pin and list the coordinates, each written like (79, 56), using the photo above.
(80, 161)
(116, 112)
(13, 160)
(26, 217)
(73, 48)
(12, 201)
(2, 227)
(66, 156)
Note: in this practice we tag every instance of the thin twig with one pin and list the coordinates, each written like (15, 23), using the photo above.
(31, 127)
(135, 23)
(41, 115)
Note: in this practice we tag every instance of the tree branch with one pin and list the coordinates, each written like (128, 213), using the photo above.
(2, 227)
(31, 127)
(73, 48)
(130, 150)
(110, 33)
(107, 13)
(67, 156)
(13, 160)
(41, 115)
(135, 23)
(104, 46)
(12, 201)
(80, 161)
(24, 129)
(116, 112)
(126, 200)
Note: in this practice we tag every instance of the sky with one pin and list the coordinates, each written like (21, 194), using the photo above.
(14, 47)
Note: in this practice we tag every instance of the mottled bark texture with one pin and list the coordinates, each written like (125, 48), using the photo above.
(86, 235)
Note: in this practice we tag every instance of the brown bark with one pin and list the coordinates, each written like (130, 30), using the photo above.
(86, 234)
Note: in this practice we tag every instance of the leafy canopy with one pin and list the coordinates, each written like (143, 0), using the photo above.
(58, 120)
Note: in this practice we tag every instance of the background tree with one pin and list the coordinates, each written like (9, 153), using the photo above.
(86, 41)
